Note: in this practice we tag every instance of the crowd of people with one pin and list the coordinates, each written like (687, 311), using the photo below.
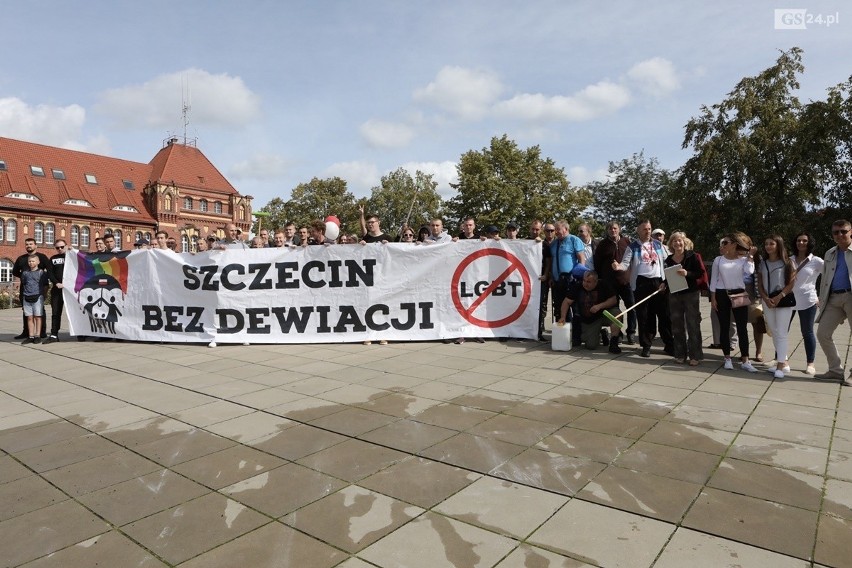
(612, 289)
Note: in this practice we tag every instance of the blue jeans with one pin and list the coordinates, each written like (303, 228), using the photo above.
(806, 325)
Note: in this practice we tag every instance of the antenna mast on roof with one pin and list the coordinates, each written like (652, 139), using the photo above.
(186, 100)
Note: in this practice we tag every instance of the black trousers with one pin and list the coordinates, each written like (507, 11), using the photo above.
(652, 311)
(57, 304)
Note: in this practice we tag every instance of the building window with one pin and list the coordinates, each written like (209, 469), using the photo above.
(242, 213)
(203, 205)
(11, 231)
(194, 243)
(37, 171)
(118, 236)
(128, 184)
(137, 236)
(147, 236)
(125, 208)
(184, 243)
(75, 236)
(217, 207)
(3, 165)
(90, 178)
(38, 233)
(58, 174)
(167, 203)
(84, 237)
(2, 228)
(6, 266)
(187, 203)
(49, 233)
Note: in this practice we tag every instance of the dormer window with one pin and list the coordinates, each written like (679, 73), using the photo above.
(58, 174)
(77, 202)
(19, 195)
(90, 178)
(3, 167)
(128, 184)
(37, 171)
(126, 208)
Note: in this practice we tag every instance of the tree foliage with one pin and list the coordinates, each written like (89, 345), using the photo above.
(316, 199)
(631, 185)
(503, 183)
(754, 154)
(401, 196)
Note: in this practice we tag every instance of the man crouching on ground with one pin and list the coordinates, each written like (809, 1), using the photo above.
(593, 296)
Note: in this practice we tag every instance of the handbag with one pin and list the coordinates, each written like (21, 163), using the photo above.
(739, 300)
(787, 301)
(31, 298)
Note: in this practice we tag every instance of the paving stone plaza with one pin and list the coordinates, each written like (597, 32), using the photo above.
(419, 455)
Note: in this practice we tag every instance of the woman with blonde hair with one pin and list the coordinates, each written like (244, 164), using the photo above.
(684, 305)
(775, 279)
(727, 286)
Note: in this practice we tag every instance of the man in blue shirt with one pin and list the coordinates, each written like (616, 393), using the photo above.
(567, 251)
(835, 298)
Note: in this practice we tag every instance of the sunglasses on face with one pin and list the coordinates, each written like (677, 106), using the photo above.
(549, 230)
(408, 236)
(836, 232)
(60, 248)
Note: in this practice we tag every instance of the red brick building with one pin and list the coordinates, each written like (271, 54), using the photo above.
(48, 193)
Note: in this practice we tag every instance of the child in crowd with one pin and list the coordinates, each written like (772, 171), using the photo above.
(34, 287)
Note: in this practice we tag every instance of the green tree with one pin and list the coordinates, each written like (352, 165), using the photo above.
(831, 137)
(401, 196)
(632, 184)
(503, 183)
(316, 199)
(754, 153)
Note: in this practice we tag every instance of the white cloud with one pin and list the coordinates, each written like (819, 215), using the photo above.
(383, 134)
(466, 93)
(579, 175)
(656, 76)
(360, 176)
(596, 100)
(444, 173)
(45, 124)
(260, 166)
(218, 100)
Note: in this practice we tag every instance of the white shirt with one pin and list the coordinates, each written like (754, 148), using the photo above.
(730, 274)
(804, 288)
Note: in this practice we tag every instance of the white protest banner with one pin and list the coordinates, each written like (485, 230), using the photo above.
(316, 294)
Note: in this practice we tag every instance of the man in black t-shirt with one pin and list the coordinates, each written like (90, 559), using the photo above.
(592, 297)
(57, 303)
(19, 268)
(372, 229)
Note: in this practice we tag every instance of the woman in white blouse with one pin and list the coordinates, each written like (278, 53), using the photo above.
(774, 284)
(808, 268)
(727, 286)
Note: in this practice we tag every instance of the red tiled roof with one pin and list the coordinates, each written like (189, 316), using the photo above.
(187, 167)
(109, 191)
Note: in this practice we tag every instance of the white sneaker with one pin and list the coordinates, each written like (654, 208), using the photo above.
(811, 370)
(786, 368)
(729, 364)
(747, 366)
(779, 374)
(211, 344)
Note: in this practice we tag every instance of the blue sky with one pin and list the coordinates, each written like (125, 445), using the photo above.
(283, 91)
